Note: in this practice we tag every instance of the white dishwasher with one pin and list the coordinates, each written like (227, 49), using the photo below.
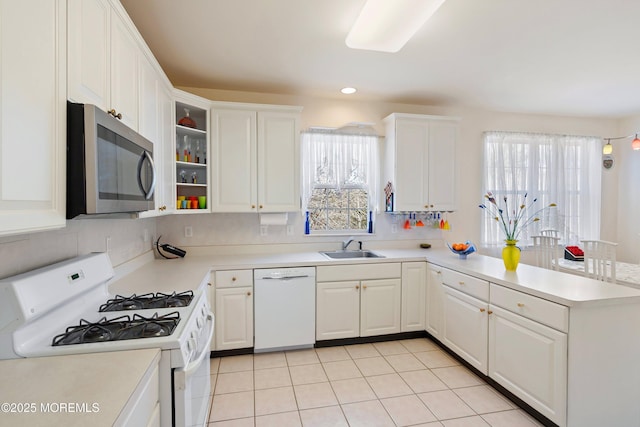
(284, 308)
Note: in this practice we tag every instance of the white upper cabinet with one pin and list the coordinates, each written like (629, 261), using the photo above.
(89, 44)
(124, 72)
(109, 63)
(420, 161)
(278, 161)
(32, 115)
(234, 161)
(255, 164)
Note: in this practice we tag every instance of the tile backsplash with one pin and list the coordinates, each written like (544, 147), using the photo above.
(245, 229)
(81, 236)
(129, 238)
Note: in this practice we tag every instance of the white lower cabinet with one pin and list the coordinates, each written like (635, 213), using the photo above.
(357, 308)
(518, 340)
(357, 300)
(434, 319)
(465, 328)
(233, 309)
(414, 289)
(380, 307)
(337, 310)
(529, 360)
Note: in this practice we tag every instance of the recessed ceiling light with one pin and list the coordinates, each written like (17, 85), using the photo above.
(348, 90)
(386, 26)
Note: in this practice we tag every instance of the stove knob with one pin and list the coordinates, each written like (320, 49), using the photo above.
(194, 339)
(199, 322)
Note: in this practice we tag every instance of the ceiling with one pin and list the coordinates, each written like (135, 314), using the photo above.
(567, 57)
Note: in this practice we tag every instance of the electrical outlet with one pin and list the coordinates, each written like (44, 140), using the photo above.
(264, 230)
(188, 231)
(107, 244)
(394, 228)
(289, 230)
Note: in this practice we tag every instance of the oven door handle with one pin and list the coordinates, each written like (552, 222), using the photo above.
(195, 364)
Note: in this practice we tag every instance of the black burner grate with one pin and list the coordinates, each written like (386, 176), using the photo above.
(141, 302)
(119, 328)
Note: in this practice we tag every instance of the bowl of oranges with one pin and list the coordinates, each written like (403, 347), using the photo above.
(462, 249)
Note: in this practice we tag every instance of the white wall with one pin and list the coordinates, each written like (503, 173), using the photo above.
(627, 218)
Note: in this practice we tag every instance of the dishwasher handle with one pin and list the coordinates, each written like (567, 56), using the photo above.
(285, 277)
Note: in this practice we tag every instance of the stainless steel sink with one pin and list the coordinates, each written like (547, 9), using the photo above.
(351, 254)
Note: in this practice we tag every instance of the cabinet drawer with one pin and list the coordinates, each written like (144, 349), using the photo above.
(337, 273)
(534, 308)
(467, 284)
(233, 278)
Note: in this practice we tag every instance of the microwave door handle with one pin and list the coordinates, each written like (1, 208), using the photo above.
(147, 194)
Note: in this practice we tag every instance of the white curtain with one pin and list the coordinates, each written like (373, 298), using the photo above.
(339, 161)
(560, 169)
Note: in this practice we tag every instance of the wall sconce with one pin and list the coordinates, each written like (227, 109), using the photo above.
(608, 148)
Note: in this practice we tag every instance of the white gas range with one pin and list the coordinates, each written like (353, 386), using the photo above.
(56, 310)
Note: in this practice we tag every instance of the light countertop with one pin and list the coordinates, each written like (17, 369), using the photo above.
(96, 385)
(563, 288)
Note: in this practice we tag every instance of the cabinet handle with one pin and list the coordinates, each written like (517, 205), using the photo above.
(482, 310)
(438, 272)
(209, 284)
(520, 304)
(248, 293)
(162, 208)
(364, 286)
(426, 206)
(233, 279)
(489, 312)
(357, 286)
(253, 206)
(259, 206)
(461, 283)
(113, 113)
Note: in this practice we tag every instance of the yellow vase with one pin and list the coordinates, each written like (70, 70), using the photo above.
(511, 255)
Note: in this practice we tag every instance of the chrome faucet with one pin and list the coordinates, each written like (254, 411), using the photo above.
(347, 243)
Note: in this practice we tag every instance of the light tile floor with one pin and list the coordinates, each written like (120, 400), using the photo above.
(395, 383)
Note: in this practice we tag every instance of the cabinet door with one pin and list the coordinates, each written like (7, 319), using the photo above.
(414, 289)
(278, 161)
(165, 185)
(32, 115)
(435, 302)
(337, 310)
(124, 73)
(442, 170)
(234, 318)
(88, 47)
(465, 329)
(234, 161)
(380, 307)
(148, 102)
(412, 160)
(529, 360)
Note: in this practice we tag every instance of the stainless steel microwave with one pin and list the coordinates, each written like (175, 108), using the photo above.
(110, 167)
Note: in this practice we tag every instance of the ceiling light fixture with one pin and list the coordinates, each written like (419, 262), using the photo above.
(608, 148)
(635, 144)
(348, 90)
(386, 26)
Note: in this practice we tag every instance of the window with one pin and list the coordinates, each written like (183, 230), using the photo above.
(560, 169)
(339, 176)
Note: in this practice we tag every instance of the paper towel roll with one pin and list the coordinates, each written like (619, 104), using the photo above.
(274, 219)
